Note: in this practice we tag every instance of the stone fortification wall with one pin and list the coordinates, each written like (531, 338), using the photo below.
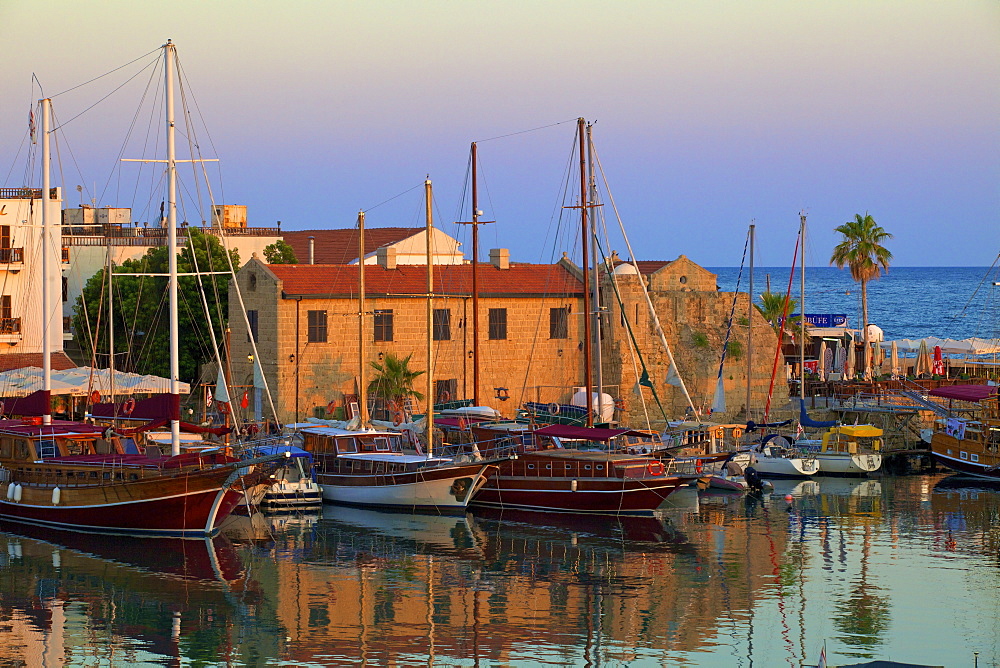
(694, 322)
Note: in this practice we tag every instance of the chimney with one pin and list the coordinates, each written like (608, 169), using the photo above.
(500, 258)
(386, 257)
(312, 249)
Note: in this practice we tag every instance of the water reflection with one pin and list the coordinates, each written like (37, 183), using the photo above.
(717, 579)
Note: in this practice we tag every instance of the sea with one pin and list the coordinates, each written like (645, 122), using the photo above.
(906, 302)
(842, 571)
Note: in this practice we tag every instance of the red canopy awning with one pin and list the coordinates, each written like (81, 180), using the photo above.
(592, 434)
(975, 393)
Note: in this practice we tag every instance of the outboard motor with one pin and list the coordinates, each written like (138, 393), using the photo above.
(754, 481)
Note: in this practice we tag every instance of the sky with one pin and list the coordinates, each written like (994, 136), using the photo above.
(707, 115)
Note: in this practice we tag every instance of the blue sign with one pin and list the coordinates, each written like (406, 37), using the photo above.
(825, 319)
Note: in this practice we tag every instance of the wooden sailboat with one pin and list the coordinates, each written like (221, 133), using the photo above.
(77, 475)
(969, 446)
(370, 468)
(545, 476)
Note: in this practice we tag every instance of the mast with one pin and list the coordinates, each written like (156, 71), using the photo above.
(475, 222)
(596, 293)
(46, 287)
(750, 324)
(169, 61)
(802, 309)
(362, 389)
(585, 234)
(475, 275)
(430, 321)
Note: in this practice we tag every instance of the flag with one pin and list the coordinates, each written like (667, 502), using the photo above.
(209, 398)
(31, 125)
(672, 377)
(245, 401)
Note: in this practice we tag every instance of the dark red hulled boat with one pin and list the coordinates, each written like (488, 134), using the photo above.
(549, 477)
(68, 475)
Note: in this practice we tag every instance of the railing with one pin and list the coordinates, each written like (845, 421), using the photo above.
(95, 235)
(10, 325)
(11, 255)
(26, 193)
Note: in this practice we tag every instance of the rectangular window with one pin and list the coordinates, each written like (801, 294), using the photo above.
(498, 323)
(317, 326)
(445, 390)
(442, 324)
(252, 319)
(383, 325)
(559, 323)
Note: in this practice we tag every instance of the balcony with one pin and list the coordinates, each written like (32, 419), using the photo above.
(11, 256)
(10, 330)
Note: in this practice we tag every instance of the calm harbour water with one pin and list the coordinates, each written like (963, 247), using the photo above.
(907, 303)
(903, 568)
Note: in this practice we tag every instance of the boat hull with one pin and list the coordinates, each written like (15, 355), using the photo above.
(186, 505)
(785, 467)
(965, 456)
(584, 488)
(440, 489)
(846, 465)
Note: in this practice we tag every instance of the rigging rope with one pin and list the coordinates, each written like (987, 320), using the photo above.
(781, 331)
(729, 324)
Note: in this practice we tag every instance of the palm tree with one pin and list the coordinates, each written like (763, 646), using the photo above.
(862, 251)
(772, 307)
(395, 381)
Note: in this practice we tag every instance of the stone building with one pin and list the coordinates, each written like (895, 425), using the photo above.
(305, 321)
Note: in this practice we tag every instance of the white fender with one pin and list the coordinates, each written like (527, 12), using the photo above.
(56, 495)
(17, 493)
(10, 491)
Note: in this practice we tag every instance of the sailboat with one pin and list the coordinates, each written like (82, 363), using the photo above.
(548, 476)
(371, 468)
(76, 475)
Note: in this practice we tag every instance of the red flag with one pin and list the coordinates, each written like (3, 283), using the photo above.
(245, 401)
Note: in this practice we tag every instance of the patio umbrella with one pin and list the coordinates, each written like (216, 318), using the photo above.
(849, 358)
(822, 360)
(838, 357)
(923, 364)
(894, 356)
(938, 367)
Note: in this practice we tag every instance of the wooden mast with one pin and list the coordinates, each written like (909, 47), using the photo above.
(750, 326)
(47, 320)
(585, 246)
(475, 222)
(362, 388)
(429, 427)
(596, 287)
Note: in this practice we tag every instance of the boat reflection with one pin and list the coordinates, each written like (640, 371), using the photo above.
(156, 594)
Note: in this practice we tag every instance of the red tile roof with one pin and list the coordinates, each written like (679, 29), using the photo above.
(341, 246)
(342, 280)
(60, 361)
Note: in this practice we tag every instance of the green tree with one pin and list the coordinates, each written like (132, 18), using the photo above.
(772, 307)
(862, 251)
(280, 253)
(141, 317)
(394, 381)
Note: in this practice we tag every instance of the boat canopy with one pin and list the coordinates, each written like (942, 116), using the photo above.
(974, 393)
(583, 433)
(857, 430)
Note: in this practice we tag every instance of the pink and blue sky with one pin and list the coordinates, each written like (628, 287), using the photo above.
(708, 114)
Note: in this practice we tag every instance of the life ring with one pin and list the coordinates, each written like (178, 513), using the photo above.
(444, 397)
(697, 466)
(620, 404)
(129, 406)
(95, 397)
(655, 467)
(253, 429)
(737, 432)
(397, 418)
(331, 407)
(719, 432)
(553, 408)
